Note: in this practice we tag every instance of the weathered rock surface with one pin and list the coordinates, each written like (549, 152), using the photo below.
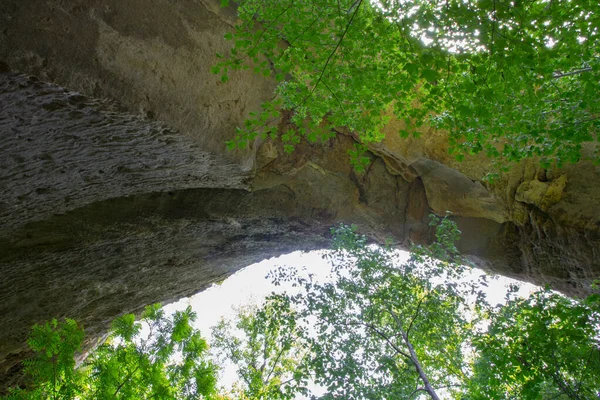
(154, 57)
(106, 207)
(73, 151)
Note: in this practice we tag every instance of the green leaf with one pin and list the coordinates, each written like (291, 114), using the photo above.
(430, 75)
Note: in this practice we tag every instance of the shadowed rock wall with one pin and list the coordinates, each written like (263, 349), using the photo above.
(107, 207)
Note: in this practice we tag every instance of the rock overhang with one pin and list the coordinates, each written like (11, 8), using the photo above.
(110, 206)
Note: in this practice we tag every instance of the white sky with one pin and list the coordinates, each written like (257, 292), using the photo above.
(250, 286)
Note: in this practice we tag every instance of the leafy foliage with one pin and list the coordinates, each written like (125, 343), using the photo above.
(265, 347)
(383, 329)
(542, 347)
(53, 365)
(169, 362)
(511, 79)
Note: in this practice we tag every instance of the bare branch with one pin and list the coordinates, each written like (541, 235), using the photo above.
(417, 390)
(576, 72)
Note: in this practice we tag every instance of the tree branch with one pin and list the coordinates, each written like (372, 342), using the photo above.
(415, 314)
(417, 390)
(129, 375)
(264, 31)
(576, 72)
(333, 52)
(383, 336)
(274, 364)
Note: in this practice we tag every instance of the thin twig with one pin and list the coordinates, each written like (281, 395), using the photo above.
(332, 53)
(416, 313)
(576, 72)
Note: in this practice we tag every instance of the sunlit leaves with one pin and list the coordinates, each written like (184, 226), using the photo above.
(166, 359)
(507, 80)
(265, 345)
(545, 346)
(380, 329)
(53, 365)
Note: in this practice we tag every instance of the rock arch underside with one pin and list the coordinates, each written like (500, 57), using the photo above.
(116, 190)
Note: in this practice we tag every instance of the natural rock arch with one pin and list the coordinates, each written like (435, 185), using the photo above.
(110, 206)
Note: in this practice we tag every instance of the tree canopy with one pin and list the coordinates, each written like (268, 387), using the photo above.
(386, 330)
(383, 329)
(512, 79)
(544, 346)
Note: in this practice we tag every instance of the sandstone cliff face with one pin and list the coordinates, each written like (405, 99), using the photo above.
(107, 206)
